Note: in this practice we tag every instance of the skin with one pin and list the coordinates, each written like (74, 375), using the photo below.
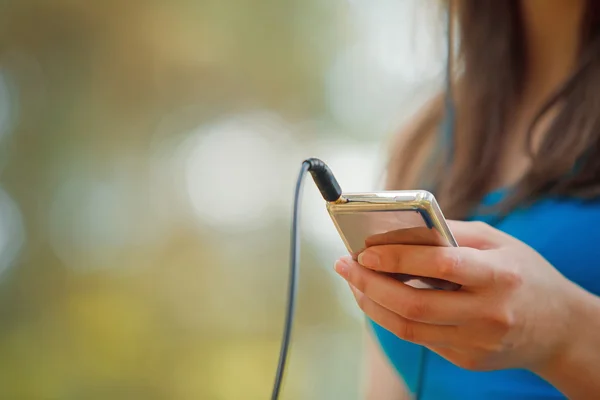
(506, 314)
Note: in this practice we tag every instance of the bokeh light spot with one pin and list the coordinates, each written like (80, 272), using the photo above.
(233, 170)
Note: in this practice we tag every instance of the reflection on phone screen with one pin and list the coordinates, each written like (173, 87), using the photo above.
(375, 228)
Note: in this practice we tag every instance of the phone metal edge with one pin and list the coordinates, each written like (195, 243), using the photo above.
(390, 201)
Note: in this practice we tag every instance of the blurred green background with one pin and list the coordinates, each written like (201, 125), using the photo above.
(148, 153)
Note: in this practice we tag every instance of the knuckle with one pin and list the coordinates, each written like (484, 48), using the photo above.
(357, 277)
(362, 280)
(481, 226)
(510, 278)
(501, 321)
(405, 330)
(448, 264)
(416, 309)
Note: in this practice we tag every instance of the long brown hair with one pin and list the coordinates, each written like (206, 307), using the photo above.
(492, 57)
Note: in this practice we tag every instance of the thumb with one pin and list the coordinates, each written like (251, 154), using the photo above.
(478, 235)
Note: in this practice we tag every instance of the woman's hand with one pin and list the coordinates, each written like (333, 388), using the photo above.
(514, 309)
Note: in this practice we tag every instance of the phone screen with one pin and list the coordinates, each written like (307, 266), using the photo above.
(363, 229)
(399, 226)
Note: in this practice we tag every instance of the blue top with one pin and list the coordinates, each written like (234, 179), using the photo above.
(556, 228)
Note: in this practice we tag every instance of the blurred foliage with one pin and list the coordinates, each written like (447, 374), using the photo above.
(118, 292)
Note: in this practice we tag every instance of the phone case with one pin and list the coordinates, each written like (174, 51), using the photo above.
(393, 217)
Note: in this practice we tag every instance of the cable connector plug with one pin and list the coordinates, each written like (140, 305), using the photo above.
(325, 180)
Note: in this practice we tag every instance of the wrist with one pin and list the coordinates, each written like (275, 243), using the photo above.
(569, 367)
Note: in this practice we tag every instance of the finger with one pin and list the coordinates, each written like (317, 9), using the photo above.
(465, 266)
(428, 306)
(477, 235)
(412, 331)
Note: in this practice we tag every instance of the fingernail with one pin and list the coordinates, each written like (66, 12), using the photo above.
(341, 267)
(368, 259)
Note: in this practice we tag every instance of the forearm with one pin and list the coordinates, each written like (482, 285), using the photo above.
(576, 370)
(382, 382)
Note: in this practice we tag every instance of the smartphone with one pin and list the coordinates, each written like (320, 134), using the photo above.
(393, 217)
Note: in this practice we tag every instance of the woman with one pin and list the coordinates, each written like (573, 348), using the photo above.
(525, 158)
